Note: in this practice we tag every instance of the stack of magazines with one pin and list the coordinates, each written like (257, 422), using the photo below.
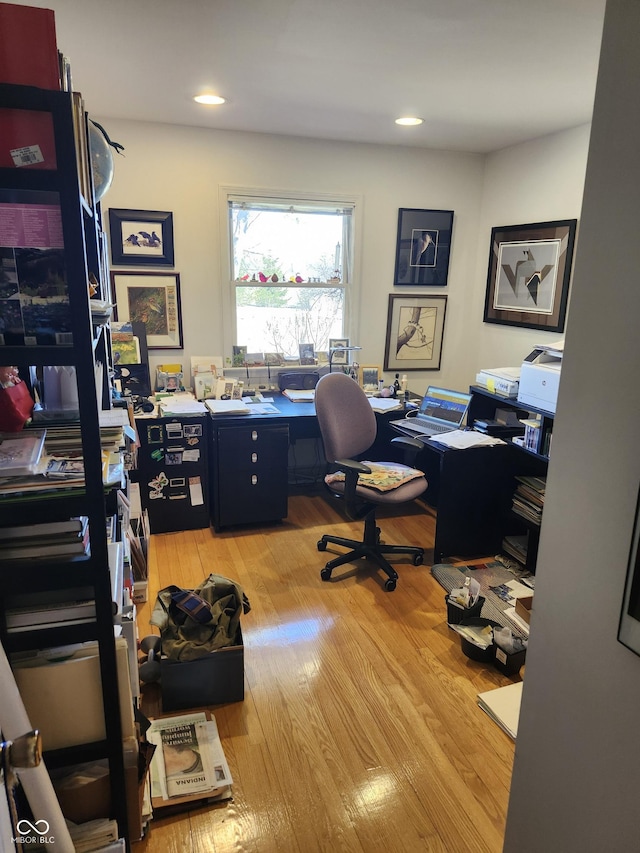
(188, 764)
(528, 499)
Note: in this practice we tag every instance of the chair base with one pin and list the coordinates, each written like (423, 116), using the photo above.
(370, 548)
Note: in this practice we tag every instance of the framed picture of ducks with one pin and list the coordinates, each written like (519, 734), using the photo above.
(529, 275)
(152, 298)
(141, 237)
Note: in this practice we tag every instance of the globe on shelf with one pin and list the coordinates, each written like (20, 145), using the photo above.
(102, 164)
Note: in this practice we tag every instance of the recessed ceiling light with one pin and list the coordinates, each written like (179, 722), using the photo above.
(409, 121)
(209, 99)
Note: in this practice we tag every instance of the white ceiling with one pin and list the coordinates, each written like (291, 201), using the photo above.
(484, 74)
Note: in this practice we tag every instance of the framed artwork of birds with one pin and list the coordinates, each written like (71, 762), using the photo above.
(529, 275)
(423, 247)
(141, 237)
(151, 298)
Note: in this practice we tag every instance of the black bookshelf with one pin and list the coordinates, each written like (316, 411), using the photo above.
(87, 344)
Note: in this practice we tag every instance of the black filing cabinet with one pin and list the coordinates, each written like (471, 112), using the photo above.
(248, 472)
(173, 468)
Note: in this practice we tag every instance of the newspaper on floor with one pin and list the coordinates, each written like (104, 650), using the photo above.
(189, 759)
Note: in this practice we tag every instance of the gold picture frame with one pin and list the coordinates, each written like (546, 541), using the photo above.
(368, 376)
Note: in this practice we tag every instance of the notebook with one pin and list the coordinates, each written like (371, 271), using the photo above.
(441, 410)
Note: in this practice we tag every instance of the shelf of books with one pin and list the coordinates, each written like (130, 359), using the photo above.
(527, 505)
(61, 580)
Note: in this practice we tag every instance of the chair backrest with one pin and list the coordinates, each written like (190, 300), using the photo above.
(347, 421)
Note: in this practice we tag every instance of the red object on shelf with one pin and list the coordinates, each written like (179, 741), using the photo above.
(26, 139)
(28, 47)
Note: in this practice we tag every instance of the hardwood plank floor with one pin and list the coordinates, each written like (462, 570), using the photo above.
(360, 729)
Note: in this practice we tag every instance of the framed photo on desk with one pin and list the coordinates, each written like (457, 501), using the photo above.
(369, 375)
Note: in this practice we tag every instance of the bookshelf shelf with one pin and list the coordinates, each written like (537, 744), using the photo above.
(522, 461)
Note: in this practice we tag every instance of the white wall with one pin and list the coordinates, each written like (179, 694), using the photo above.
(577, 766)
(180, 169)
(538, 181)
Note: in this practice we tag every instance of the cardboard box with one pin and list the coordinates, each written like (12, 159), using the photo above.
(523, 608)
(215, 679)
(84, 793)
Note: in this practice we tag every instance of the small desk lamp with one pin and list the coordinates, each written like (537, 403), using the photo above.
(334, 350)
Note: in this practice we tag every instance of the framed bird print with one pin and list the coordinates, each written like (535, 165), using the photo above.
(151, 298)
(529, 274)
(141, 237)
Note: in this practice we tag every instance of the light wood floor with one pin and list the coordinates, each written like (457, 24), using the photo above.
(360, 729)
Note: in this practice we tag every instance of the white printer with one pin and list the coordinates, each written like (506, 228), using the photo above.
(540, 377)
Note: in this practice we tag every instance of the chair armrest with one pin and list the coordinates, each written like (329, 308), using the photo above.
(411, 447)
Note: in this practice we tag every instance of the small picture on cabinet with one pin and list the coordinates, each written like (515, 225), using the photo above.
(177, 482)
(192, 430)
(173, 458)
(155, 434)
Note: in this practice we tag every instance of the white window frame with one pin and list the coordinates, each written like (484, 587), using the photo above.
(226, 193)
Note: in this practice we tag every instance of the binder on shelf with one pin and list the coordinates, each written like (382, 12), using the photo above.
(63, 694)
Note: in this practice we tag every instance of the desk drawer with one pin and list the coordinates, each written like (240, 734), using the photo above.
(249, 497)
(251, 448)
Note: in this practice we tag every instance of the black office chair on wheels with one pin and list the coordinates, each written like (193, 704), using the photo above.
(348, 429)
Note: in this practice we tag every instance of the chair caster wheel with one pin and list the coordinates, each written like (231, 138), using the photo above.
(417, 560)
(325, 573)
(390, 585)
(322, 546)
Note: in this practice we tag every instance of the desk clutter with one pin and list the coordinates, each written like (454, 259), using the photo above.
(507, 593)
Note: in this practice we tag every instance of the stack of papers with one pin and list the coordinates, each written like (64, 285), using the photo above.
(181, 406)
(460, 439)
(300, 395)
(227, 407)
(503, 706)
(385, 404)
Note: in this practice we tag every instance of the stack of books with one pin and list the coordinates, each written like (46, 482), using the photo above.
(528, 499)
(516, 547)
(53, 539)
(490, 426)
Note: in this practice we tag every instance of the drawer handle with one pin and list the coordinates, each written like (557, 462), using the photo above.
(254, 435)
(254, 479)
(254, 457)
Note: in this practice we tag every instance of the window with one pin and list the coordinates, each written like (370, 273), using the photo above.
(291, 270)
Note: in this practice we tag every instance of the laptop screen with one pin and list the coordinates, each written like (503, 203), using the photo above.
(445, 405)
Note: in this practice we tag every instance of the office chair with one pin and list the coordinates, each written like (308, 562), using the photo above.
(348, 429)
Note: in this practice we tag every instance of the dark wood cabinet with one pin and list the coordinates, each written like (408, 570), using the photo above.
(173, 471)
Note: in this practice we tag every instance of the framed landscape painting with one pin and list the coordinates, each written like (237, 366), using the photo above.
(529, 274)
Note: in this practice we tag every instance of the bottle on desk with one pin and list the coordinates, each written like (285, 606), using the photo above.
(396, 386)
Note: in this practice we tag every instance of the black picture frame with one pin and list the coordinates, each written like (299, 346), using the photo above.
(152, 298)
(415, 332)
(529, 274)
(141, 237)
(423, 247)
